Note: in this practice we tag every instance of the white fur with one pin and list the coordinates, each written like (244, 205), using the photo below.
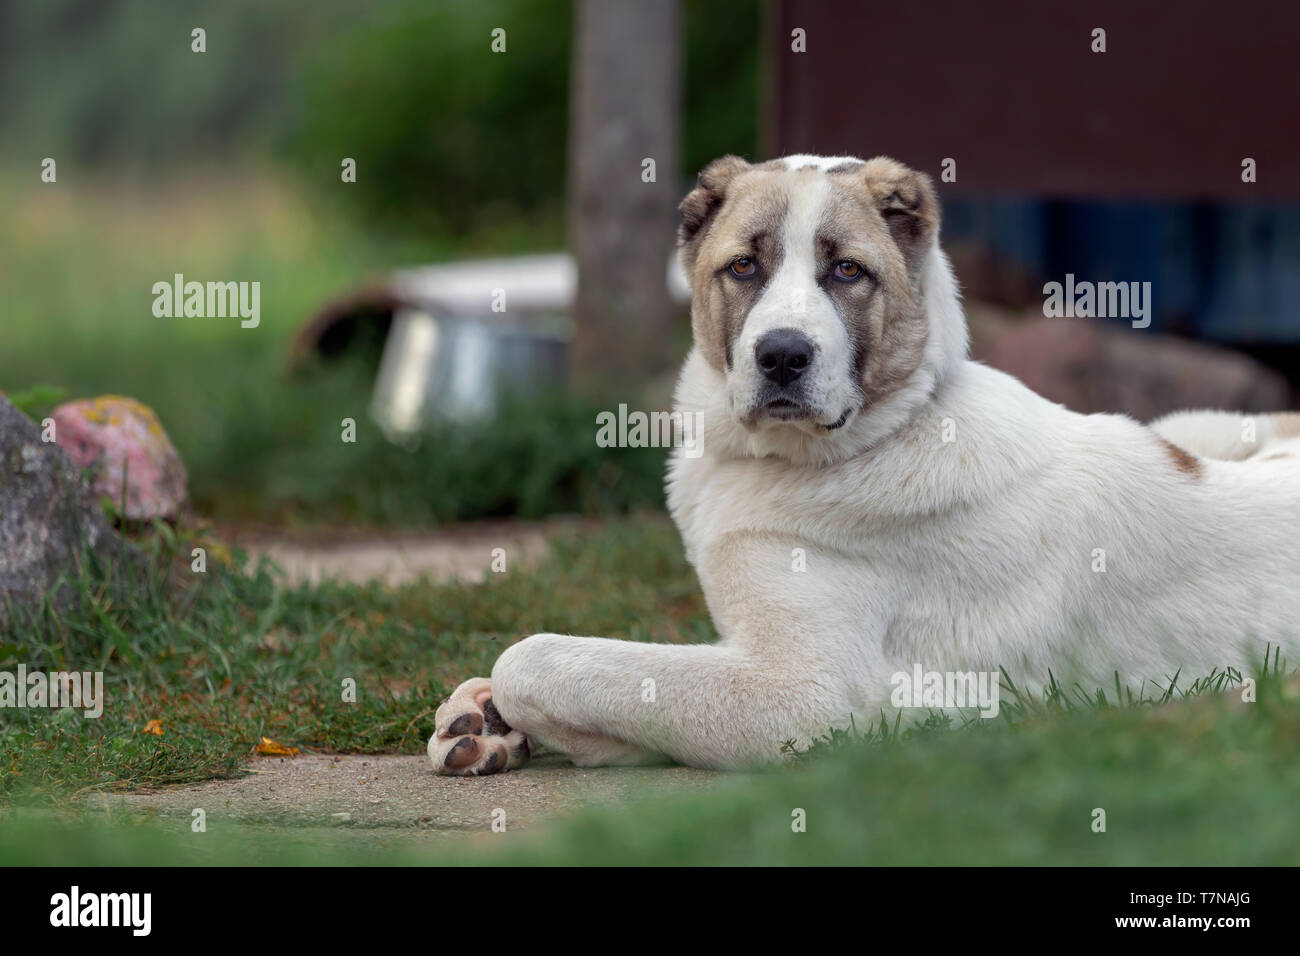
(822, 163)
(978, 553)
(1231, 436)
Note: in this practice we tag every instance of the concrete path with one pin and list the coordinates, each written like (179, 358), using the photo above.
(381, 801)
(458, 553)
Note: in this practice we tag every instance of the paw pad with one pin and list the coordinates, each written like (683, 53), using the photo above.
(470, 736)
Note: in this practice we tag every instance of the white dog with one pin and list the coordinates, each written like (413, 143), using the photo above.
(870, 505)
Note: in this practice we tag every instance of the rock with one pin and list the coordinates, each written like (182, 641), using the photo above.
(47, 515)
(117, 436)
(1089, 365)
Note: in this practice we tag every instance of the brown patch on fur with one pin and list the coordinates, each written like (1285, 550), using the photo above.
(702, 202)
(907, 200)
(892, 209)
(744, 207)
(1187, 463)
(1287, 424)
(1277, 457)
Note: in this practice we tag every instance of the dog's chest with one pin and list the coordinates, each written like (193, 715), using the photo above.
(805, 507)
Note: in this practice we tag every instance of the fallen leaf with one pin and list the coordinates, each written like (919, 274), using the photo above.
(269, 748)
(153, 727)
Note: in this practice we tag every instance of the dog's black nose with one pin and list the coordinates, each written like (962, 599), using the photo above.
(783, 355)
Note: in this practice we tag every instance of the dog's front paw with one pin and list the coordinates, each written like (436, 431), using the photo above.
(469, 736)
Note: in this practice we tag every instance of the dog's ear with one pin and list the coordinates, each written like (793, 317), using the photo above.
(910, 207)
(703, 202)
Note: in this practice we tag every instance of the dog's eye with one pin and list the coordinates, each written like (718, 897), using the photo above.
(847, 270)
(743, 268)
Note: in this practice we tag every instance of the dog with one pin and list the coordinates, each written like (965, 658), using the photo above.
(870, 504)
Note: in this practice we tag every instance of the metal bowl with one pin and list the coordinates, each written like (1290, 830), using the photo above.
(465, 334)
(458, 368)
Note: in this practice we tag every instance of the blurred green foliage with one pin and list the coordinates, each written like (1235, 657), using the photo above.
(448, 136)
(721, 109)
(451, 135)
(37, 400)
(275, 455)
(114, 83)
(445, 132)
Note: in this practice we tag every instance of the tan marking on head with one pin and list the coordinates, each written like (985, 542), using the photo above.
(907, 201)
(1187, 463)
(886, 215)
(1286, 424)
(736, 210)
(878, 213)
(703, 202)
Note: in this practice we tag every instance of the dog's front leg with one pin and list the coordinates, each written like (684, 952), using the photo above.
(602, 701)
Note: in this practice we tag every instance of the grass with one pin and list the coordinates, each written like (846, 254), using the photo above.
(224, 658)
(1191, 777)
(1169, 779)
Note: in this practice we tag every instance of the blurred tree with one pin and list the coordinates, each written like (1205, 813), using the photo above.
(623, 156)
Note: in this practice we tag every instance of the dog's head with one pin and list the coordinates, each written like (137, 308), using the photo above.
(810, 278)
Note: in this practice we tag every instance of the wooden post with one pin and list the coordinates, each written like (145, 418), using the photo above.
(624, 153)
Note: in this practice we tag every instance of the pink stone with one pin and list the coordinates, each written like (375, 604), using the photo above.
(111, 433)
